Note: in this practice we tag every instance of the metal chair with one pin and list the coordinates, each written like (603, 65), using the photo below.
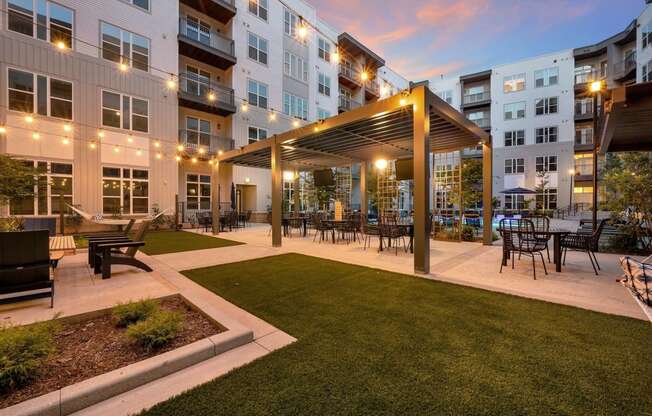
(541, 227)
(585, 243)
(519, 236)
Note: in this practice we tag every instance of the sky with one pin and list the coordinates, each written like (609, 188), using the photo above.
(424, 39)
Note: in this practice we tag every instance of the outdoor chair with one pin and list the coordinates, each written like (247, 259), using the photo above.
(638, 276)
(390, 230)
(269, 221)
(519, 236)
(369, 231)
(587, 243)
(322, 227)
(25, 266)
(108, 254)
(122, 233)
(248, 217)
(295, 223)
(205, 219)
(541, 227)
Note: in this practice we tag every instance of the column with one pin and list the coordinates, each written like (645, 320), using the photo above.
(487, 194)
(363, 190)
(215, 198)
(277, 194)
(421, 132)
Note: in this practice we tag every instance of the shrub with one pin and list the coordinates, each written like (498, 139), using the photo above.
(23, 349)
(468, 233)
(125, 314)
(157, 330)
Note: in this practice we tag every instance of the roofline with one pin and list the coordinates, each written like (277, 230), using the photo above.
(477, 75)
(589, 51)
(346, 36)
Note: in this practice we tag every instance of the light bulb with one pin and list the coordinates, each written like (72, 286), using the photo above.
(29, 119)
(67, 127)
(92, 145)
(288, 175)
(220, 152)
(381, 164)
(180, 148)
(201, 151)
(123, 67)
(171, 84)
(177, 158)
(335, 57)
(272, 116)
(244, 107)
(211, 97)
(130, 139)
(61, 45)
(193, 160)
(157, 144)
(100, 134)
(295, 123)
(364, 75)
(116, 149)
(36, 136)
(139, 152)
(158, 155)
(65, 141)
(3, 130)
(302, 31)
(402, 102)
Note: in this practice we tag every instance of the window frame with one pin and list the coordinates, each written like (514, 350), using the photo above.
(514, 166)
(513, 80)
(258, 130)
(48, 175)
(48, 26)
(122, 180)
(546, 74)
(122, 58)
(542, 135)
(323, 114)
(295, 106)
(548, 199)
(257, 48)
(515, 110)
(200, 195)
(257, 93)
(259, 7)
(324, 53)
(544, 104)
(515, 140)
(198, 132)
(122, 111)
(295, 63)
(36, 91)
(544, 163)
(324, 88)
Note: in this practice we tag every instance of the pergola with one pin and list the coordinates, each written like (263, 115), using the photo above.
(408, 125)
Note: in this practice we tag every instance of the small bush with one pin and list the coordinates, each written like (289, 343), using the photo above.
(23, 349)
(125, 314)
(157, 330)
(468, 233)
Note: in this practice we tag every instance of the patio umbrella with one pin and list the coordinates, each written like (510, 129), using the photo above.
(518, 191)
(232, 196)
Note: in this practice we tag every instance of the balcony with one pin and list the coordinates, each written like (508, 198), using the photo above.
(585, 76)
(347, 104)
(349, 76)
(477, 99)
(372, 90)
(484, 122)
(583, 140)
(208, 97)
(204, 145)
(625, 69)
(220, 10)
(583, 110)
(205, 45)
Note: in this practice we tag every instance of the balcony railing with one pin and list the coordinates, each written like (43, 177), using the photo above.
(373, 87)
(347, 103)
(584, 137)
(623, 67)
(207, 92)
(209, 37)
(585, 76)
(476, 98)
(204, 143)
(584, 108)
(584, 168)
(350, 73)
(484, 122)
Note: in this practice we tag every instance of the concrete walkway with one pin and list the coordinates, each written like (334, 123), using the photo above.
(469, 264)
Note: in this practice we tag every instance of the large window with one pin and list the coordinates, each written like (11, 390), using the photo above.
(546, 164)
(515, 202)
(257, 93)
(324, 50)
(547, 199)
(514, 166)
(647, 71)
(323, 114)
(546, 77)
(124, 111)
(514, 111)
(257, 49)
(125, 191)
(514, 83)
(546, 135)
(324, 85)
(33, 93)
(41, 19)
(198, 191)
(259, 8)
(198, 132)
(256, 133)
(646, 32)
(198, 30)
(545, 106)
(54, 180)
(290, 23)
(295, 106)
(197, 81)
(514, 138)
(295, 66)
(124, 47)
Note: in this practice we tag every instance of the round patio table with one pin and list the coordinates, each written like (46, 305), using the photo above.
(555, 233)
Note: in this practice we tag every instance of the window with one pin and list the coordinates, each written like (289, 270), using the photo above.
(256, 133)
(142, 4)
(294, 66)
(547, 199)
(54, 23)
(583, 135)
(514, 111)
(646, 32)
(514, 166)
(515, 202)
(545, 106)
(324, 85)
(33, 93)
(124, 111)
(198, 30)
(514, 83)
(323, 114)
(257, 93)
(446, 96)
(546, 135)
(290, 23)
(54, 179)
(198, 132)
(480, 118)
(258, 8)
(647, 71)
(546, 164)
(514, 138)
(583, 74)
(295, 106)
(604, 65)
(546, 77)
(324, 50)
(198, 191)
(124, 47)
(257, 49)
(125, 191)
(197, 81)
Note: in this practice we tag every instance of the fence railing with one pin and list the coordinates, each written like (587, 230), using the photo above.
(205, 90)
(194, 30)
(584, 108)
(623, 67)
(193, 141)
(348, 104)
(476, 98)
(350, 73)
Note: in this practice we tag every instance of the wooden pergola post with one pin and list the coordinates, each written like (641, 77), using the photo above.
(363, 190)
(215, 198)
(487, 194)
(421, 149)
(277, 193)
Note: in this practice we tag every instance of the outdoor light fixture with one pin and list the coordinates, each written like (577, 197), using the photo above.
(193, 160)
(116, 149)
(295, 123)
(201, 151)
(402, 102)
(180, 148)
(211, 97)
(171, 84)
(247, 180)
(596, 86)
(364, 75)
(302, 30)
(130, 139)
(159, 156)
(335, 57)
(381, 164)
(66, 127)
(61, 45)
(244, 107)
(272, 116)
(36, 136)
(288, 175)
(157, 144)
(65, 141)
(3, 129)
(92, 145)
(571, 172)
(123, 67)
(100, 134)
(29, 119)
(139, 152)
(220, 152)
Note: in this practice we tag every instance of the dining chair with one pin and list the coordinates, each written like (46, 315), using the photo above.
(519, 236)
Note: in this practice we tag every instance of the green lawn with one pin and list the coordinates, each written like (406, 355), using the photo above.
(161, 242)
(373, 342)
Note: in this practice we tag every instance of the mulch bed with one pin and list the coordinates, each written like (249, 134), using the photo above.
(96, 346)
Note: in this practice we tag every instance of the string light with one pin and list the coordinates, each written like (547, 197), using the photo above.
(123, 67)
(180, 148)
(36, 136)
(159, 155)
(220, 152)
(295, 123)
(67, 127)
(171, 84)
(211, 96)
(201, 150)
(61, 45)
(139, 152)
(272, 116)
(3, 130)
(157, 144)
(116, 149)
(65, 141)
(130, 139)
(335, 57)
(193, 160)
(29, 119)
(100, 134)
(402, 102)
(210, 162)
(92, 145)
(177, 158)
(381, 164)
(244, 107)
(302, 30)
(364, 75)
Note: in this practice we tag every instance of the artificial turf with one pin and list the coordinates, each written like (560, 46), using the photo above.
(372, 342)
(161, 242)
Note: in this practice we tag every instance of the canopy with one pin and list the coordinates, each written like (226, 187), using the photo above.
(518, 191)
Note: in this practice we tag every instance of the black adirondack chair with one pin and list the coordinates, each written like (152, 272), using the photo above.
(111, 253)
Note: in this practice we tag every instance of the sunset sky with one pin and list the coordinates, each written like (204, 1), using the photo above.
(422, 39)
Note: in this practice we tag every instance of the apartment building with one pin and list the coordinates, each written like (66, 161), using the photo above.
(84, 100)
(540, 114)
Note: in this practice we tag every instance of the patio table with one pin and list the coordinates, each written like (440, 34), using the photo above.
(556, 235)
(285, 222)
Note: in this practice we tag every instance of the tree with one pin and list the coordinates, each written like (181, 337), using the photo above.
(17, 179)
(471, 184)
(542, 179)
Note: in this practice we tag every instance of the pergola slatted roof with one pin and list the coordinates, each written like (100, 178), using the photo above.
(381, 129)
